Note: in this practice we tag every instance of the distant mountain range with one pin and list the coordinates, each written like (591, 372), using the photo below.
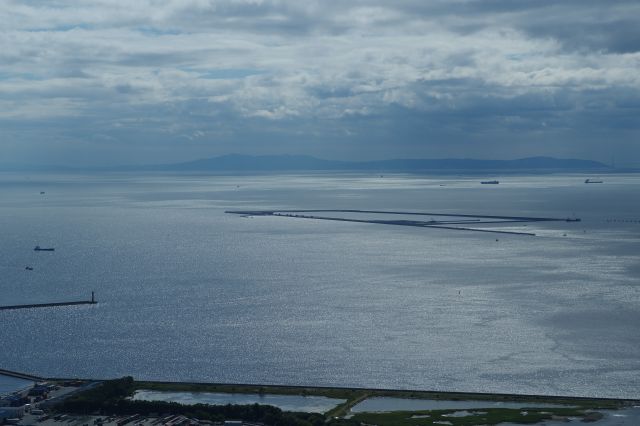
(289, 163)
(274, 163)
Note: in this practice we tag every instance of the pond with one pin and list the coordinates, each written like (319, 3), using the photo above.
(307, 404)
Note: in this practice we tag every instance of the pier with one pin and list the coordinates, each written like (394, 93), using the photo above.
(93, 301)
(450, 223)
(18, 375)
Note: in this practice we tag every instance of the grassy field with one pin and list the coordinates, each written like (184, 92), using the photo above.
(489, 416)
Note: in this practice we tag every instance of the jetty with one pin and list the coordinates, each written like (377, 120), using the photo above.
(18, 375)
(453, 221)
(93, 301)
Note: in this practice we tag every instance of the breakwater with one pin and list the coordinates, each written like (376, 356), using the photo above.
(93, 301)
(453, 219)
(395, 212)
(18, 375)
(429, 224)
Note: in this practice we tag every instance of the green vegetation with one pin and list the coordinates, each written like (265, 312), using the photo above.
(99, 398)
(111, 398)
(352, 396)
(489, 416)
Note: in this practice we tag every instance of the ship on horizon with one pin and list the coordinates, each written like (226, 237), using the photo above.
(593, 181)
(38, 248)
(490, 182)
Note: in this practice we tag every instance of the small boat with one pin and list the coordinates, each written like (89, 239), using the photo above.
(489, 182)
(593, 181)
(28, 268)
(38, 248)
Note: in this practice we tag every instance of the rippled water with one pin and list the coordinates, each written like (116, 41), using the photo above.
(188, 292)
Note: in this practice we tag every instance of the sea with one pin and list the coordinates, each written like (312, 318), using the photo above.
(188, 292)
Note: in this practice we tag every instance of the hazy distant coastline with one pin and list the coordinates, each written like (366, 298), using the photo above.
(303, 163)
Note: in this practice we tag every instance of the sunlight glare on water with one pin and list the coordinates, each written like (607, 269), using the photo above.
(190, 293)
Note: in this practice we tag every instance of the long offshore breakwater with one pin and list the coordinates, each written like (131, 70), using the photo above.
(513, 218)
(465, 219)
(93, 301)
(18, 375)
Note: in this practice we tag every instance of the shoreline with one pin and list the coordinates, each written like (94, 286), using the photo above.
(113, 398)
(323, 390)
(312, 390)
(432, 393)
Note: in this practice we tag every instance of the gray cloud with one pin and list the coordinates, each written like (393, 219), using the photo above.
(116, 81)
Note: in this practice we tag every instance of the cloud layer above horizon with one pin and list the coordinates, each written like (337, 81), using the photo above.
(114, 82)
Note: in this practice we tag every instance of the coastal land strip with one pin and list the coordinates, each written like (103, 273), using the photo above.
(355, 395)
(113, 398)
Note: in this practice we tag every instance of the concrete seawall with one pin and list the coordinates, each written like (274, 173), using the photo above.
(18, 375)
(48, 305)
(451, 219)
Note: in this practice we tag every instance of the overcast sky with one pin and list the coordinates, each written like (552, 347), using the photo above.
(147, 81)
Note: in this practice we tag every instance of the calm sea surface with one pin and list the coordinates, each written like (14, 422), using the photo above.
(190, 293)
(11, 384)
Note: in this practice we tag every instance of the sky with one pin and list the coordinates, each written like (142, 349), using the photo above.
(106, 82)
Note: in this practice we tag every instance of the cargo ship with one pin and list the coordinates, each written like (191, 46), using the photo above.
(38, 248)
(489, 182)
